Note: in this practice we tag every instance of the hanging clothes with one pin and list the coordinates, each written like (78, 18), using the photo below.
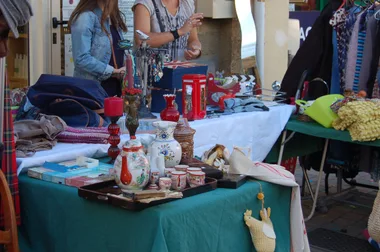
(373, 80)
(368, 50)
(352, 54)
(315, 54)
(335, 79)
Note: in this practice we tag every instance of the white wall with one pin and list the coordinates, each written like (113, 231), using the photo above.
(40, 39)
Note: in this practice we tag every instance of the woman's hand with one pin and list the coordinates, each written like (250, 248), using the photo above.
(192, 53)
(193, 22)
(119, 73)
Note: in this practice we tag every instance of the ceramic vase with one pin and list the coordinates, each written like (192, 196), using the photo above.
(170, 113)
(165, 143)
(132, 169)
(132, 116)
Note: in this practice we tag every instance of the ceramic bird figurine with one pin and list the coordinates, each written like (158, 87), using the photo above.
(262, 232)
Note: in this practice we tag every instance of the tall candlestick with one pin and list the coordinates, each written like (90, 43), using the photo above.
(113, 107)
(114, 138)
(130, 76)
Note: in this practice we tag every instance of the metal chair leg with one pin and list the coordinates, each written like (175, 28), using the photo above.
(319, 180)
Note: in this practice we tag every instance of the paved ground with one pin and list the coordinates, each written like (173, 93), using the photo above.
(347, 213)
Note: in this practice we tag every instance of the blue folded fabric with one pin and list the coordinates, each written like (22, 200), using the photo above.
(237, 105)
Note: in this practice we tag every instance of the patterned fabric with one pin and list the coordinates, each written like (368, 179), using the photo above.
(359, 60)
(176, 49)
(290, 164)
(352, 54)
(344, 34)
(9, 165)
(84, 135)
(338, 17)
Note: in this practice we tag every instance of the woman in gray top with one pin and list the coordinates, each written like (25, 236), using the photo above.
(170, 24)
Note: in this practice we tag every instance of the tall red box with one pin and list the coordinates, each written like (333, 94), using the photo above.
(194, 97)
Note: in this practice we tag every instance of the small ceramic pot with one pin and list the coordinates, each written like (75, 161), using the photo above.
(154, 176)
(181, 168)
(196, 178)
(192, 169)
(165, 184)
(168, 172)
(178, 180)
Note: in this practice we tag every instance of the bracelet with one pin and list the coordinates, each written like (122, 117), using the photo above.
(175, 34)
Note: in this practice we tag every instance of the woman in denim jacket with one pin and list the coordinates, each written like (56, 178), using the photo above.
(96, 28)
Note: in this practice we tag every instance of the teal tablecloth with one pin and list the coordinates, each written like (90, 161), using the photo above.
(56, 219)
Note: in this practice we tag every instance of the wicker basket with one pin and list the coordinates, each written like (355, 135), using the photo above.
(374, 220)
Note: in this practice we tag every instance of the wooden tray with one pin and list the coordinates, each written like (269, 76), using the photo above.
(224, 180)
(103, 192)
(232, 181)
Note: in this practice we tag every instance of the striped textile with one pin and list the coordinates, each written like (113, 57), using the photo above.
(361, 41)
(359, 60)
(9, 165)
(84, 135)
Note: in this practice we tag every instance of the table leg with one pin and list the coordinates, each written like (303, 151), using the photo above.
(282, 147)
(339, 179)
(319, 180)
(307, 182)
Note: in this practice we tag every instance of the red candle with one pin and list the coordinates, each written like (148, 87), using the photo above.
(113, 106)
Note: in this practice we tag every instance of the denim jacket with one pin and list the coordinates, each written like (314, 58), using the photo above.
(91, 46)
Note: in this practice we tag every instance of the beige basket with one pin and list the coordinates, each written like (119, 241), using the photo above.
(374, 220)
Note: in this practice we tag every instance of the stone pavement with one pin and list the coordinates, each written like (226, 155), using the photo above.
(347, 213)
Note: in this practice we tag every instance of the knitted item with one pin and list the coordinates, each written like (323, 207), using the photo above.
(361, 118)
(374, 219)
(262, 233)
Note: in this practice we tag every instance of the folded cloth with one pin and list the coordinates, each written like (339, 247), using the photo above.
(37, 135)
(237, 105)
(241, 164)
(27, 148)
(84, 135)
(16, 13)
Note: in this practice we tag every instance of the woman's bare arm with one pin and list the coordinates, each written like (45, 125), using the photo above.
(142, 23)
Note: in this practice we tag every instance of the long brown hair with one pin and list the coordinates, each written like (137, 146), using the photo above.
(110, 9)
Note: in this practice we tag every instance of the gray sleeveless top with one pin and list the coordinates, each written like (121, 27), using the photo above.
(186, 8)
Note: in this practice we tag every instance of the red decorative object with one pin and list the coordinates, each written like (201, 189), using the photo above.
(114, 138)
(113, 106)
(214, 92)
(170, 113)
(194, 96)
(290, 164)
(131, 91)
(224, 97)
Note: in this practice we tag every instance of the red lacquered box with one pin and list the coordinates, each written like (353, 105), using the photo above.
(194, 96)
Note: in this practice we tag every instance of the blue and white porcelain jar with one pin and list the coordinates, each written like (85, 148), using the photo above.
(165, 143)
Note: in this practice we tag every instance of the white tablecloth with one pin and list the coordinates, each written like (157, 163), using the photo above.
(258, 130)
